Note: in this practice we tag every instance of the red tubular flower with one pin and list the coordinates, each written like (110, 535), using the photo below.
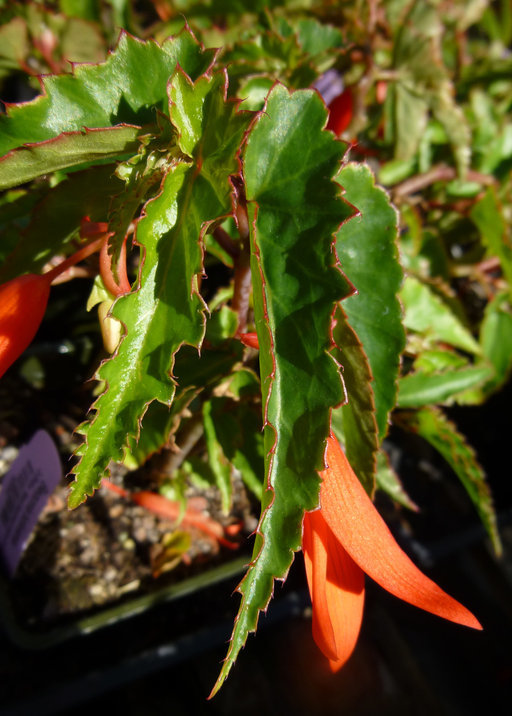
(340, 112)
(342, 541)
(22, 305)
(23, 302)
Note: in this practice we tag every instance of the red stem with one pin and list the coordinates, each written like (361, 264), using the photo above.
(163, 507)
(106, 270)
(80, 255)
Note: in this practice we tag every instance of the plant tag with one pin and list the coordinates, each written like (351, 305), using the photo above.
(25, 491)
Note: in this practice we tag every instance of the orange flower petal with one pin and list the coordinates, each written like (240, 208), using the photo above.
(336, 585)
(23, 302)
(354, 520)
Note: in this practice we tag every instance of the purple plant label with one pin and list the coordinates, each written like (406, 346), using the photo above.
(25, 490)
(330, 85)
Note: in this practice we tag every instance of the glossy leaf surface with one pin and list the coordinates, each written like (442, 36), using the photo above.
(368, 254)
(124, 89)
(294, 211)
(69, 149)
(165, 311)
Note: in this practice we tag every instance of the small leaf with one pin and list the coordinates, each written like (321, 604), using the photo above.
(496, 339)
(221, 325)
(442, 434)
(14, 44)
(418, 389)
(488, 216)
(238, 431)
(427, 314)
(316, 38)
(160, 422)
(439, 361)
(55, 219)
(216, 458)
(424, 84)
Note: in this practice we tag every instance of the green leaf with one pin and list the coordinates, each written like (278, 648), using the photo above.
(442, 434)
(196, 374)
(254, 92)
(369, 257)
(81, 41)
(85, 9)
(69, 149)
(216, 458)
(316, 38)
(488, 216)
(427, 314)
(238, 432)
(211, 367)
(438, 361)
(14, 44)
(222, 324)
(418, 389)
(423, 84)
(166, 311)
(293, 212)
(360, 434)
(496, 339)
(410, 119)
(123, 90)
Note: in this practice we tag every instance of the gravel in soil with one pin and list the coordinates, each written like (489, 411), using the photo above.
(108, 549)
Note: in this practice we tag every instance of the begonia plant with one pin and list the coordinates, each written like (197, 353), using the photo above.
(272, 204)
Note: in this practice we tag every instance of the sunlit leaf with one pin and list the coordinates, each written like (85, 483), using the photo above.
(192, 195)
(496, 339)
(369, 257)
(125, 89)
(294, 211)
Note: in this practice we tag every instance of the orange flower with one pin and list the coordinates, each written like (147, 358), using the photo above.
(23, 302)
(22, 305)
(342, 541)
(340, 112)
